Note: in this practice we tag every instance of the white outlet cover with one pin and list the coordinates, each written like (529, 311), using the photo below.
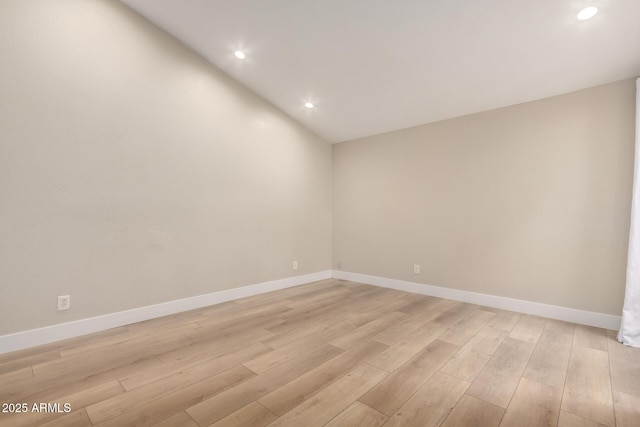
(64, 302)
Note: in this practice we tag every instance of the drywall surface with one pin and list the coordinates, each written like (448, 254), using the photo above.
(133, 172)
(529, 202)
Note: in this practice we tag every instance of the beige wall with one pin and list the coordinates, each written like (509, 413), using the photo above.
(132, 172)
(530, 202)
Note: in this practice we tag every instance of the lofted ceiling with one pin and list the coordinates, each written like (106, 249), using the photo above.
(372, 66)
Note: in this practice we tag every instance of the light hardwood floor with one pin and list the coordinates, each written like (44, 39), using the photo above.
(332, 353)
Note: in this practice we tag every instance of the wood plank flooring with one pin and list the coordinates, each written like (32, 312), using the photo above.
(331, 353)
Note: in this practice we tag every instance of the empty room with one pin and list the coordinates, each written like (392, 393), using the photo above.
(319, 213)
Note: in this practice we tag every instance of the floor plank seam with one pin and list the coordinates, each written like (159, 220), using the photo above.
(564, 385)
(613, 400)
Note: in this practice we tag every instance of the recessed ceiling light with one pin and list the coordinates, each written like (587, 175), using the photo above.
(239, 54)
(309, 105)
(587, 13)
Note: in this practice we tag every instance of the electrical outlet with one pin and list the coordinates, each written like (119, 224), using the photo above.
(295, 265)
(339, 265)
(416, 268)
(64, 302)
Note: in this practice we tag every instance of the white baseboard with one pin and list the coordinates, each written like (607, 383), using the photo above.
(48, 334)
(582, 317)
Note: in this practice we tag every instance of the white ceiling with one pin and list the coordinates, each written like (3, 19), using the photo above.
(372, 66)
